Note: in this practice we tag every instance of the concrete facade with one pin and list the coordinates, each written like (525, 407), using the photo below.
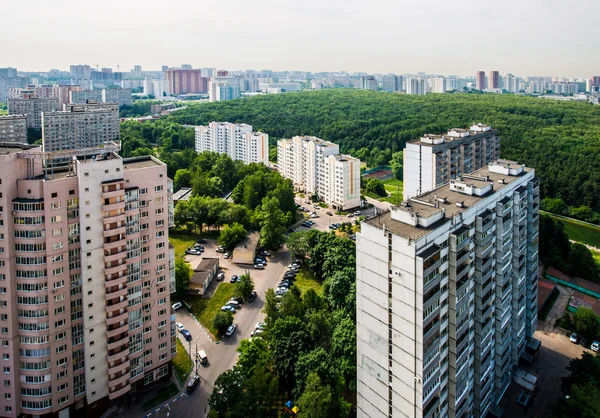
(447, 296)
(33, 109)
(434, 160)
(13, 128)
(234, 139)
(316, 166)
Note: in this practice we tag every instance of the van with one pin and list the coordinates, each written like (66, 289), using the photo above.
(202, 357)
(234, 303)
(176, 306)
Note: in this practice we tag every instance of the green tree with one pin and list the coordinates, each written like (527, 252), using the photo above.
(582, 370)
(555, 205)
(231, 235)
(297, 244)
(251, 353)
(183, 178)
(272, 223)
(582, 263)
(271, 308)
(316, 400)
(244, 287)
(397, 164)
(586, 322)
(183, 273)
(375, 186)
(226, 394)
(222, 320)
(581, 402)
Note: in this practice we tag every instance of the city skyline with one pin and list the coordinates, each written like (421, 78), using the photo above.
(327, 37)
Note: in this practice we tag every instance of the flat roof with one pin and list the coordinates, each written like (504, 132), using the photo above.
(12, 147)
(181, 193)
(473, 135)
(136, 163)
(443, 199)
(246, 250)
(207, 264)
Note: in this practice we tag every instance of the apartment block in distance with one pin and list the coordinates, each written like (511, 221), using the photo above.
(186, 81)
(446, 296)
(84, 281)
(80, 126)
(316, 166)
(120, 96)
(13, 128)
(33, 108)
(234, 139)
(436, 159)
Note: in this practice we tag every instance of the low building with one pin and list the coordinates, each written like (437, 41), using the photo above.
(246, 250)
(204, 273)
(182, 194)
(546, 288)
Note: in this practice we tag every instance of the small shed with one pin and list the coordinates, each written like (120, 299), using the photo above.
(203, 275)
(246, 250)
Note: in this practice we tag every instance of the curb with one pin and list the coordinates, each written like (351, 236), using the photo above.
(205, 331)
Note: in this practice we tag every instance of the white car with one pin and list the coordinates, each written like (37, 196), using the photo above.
(180, 327)
(595, 346)
(260, 325)
(257, 332)
(574, 338)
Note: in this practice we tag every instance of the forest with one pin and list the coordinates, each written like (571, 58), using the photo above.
(561, 140)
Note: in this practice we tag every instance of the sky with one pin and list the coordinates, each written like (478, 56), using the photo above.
(523, 37)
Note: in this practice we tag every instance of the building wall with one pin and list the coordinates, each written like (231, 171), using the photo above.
(236, 140)
(13, 128)
(33, 108)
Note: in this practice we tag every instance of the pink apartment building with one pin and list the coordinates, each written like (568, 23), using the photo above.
(85, 281)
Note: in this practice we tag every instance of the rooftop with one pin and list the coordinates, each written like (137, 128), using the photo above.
(418, 216)
(455, 134)
(136, 163)
(182, 194)
(11, 147)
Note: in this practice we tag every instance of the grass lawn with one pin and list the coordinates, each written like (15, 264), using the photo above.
(305, 280)
(181, 240)
(394, 187)
(205, 309)
(162, 395)
(182, 362)
(544, 312)
(581, 232)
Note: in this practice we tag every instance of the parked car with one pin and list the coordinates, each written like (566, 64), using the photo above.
(193, 251)
(220, 276)
(252, 296)
(226, 255)
(257, 332)
(220, 249)
(265, 253)
(595, 346)
(186, 334)
(234, 303)
(194, 381)
(298, 261)
(259, 266)
(260, 260)
(180, 327)
(260, 325)
(201, 241)
(202, 357)
(199, 247)
(295, 265)
(230, 330)
(228, 308)
(329, 213)
(583, 341)
(314, 215)
(233, 278)
(176, 305)
(574, 338)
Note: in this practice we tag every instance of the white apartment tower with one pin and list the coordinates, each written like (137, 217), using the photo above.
(434, 160)
(84, 280)
(234, 139)
(316, 166)
(415, 86)
(446, 296)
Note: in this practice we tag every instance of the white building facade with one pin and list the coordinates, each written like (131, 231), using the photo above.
(316, 166)
(415, 86)
(436, 159)
(447, 296)
(234, 139)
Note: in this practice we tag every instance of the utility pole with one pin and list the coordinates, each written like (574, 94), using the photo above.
(197, 362)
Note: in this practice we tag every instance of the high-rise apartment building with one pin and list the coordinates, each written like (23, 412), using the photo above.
(391, 82)
(511, 83)
(33, 108)
(317, 167)
(415, 86)
(13, 128)
(81, 71)
(494, 80)
(120, 96)
(234, 139)
(221, 89)
(446, 296)
(434, 160)
(438, 85)
(84, 280)
(186, 81)
(80, 126)
(83, 96)
(480, 80)
(63, 93)
(368, 82)
(156, 88)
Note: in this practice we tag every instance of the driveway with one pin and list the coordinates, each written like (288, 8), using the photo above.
(223, 356)
(323, 222)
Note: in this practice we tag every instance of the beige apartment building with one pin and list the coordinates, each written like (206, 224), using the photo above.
(33, 107)
(85, 280)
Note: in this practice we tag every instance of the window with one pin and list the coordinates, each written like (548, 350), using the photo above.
(58, 298)
(162, 301)
(158, 200)
(55, 205)
(59, 310)
(57, 258)
(143, 191)
(58, 272)
(61, 348)
(6, 370)
(158, 188)
(57, 245)
(160, 234)
(56, 219)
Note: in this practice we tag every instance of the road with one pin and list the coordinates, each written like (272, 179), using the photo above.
(223, 356)
(323, 222)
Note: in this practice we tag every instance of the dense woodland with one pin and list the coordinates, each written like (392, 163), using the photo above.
(561, 140)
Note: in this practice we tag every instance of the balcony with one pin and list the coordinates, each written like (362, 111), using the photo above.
(117, 331)
(115, 293)
(116, 206)
(114, 394)
(124, 341)
(117, 319)
(119, 255)
(114, 231)
(116, 269)
(115, 244)
(117, 281)
(115, 193)
(121, 304)
(122, 357)
(462, 257)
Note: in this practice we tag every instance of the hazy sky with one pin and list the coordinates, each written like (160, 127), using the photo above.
(525, 37)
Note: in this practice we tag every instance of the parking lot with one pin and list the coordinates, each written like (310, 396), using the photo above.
(549, 366)
(324, 221)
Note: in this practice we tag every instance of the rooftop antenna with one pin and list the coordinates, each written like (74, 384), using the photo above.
(97, 65)
(118, 68)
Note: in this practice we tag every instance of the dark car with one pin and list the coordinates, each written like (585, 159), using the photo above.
(194, 381)
(252, 296)
(329, 213)
(233, 279)
(297, 261)
(201, 241)
(186, 334)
